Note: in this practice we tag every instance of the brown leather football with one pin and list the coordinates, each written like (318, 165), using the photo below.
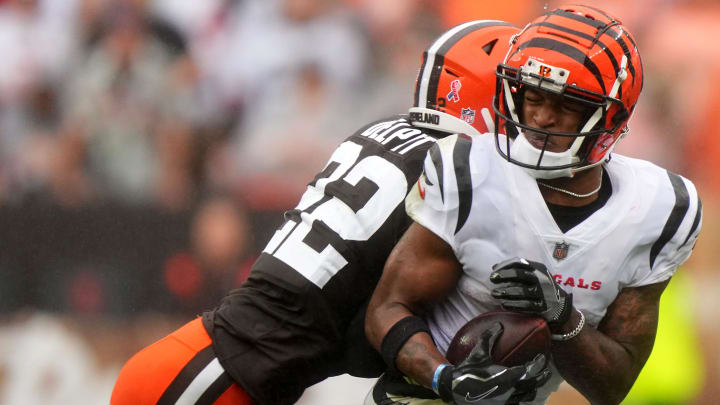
(523, 337)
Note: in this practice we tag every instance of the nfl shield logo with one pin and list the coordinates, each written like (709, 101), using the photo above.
(561, 250)
(468, 115)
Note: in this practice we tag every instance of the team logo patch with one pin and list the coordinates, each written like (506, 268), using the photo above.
(561, 250)
(545, 71)
(454, 94)
(468, 115)
(546, 76)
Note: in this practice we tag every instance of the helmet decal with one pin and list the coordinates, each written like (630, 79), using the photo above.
(459, 66)
(468, 115)
(454, 90)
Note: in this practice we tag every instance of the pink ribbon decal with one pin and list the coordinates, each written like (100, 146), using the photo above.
(454, 88)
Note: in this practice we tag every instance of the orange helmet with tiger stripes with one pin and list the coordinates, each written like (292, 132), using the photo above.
(585, 55)
(456, 81)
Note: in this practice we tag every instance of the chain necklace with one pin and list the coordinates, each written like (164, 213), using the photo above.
(570, 193)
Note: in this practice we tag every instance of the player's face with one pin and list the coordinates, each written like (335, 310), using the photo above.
(550, 111)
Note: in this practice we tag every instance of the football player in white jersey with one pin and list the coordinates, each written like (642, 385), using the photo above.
(542, 220)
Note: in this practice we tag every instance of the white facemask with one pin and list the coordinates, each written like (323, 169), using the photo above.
(523, 152)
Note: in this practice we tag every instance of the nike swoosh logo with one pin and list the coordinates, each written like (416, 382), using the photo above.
(475, 398)
(421, 189)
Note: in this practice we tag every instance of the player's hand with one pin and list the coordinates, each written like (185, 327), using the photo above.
(527, 286)
(478, 378)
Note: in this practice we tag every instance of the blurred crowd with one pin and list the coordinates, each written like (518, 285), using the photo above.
(148, 147)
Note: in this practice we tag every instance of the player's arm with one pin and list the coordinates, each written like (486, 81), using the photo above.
(603, 364)
(421, 269)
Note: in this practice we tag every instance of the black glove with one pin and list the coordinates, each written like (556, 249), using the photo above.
(527, 286)
(477, 377)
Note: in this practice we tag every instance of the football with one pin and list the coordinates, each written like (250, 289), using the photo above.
(523, 337)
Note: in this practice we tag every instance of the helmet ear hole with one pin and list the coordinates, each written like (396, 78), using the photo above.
(451, 73)
(487, 48)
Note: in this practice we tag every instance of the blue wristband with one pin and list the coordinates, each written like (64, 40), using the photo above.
(436, 377)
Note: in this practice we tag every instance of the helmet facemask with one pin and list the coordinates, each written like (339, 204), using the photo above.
(548, 60)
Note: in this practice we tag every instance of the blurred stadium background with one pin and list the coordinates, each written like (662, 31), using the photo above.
(149, 147)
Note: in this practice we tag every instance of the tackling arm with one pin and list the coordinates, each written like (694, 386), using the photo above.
(603, 364)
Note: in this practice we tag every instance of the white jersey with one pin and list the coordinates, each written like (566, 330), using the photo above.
(489, 210)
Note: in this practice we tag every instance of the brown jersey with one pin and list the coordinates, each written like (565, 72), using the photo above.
(285, 329)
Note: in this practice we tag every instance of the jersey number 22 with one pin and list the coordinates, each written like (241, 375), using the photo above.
(348, 201)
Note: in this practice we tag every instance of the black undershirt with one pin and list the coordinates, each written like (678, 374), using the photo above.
(568, 217)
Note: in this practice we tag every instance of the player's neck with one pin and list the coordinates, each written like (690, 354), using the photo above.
(580, 190)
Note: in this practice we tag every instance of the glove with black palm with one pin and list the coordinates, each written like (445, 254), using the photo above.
(527, 286)
(478, 377)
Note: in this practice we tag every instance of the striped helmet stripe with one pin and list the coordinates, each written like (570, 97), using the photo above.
(567, 50)
(614, 35)
(417, 85)
(426, 91)
(610, 32)
(583, 35)
(627, 53)
(618, 38)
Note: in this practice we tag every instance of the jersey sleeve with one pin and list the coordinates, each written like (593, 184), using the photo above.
(437, 199)
(679, 233)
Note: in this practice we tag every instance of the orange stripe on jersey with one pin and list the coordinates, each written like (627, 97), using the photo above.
(421, 189)
(179, 367)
